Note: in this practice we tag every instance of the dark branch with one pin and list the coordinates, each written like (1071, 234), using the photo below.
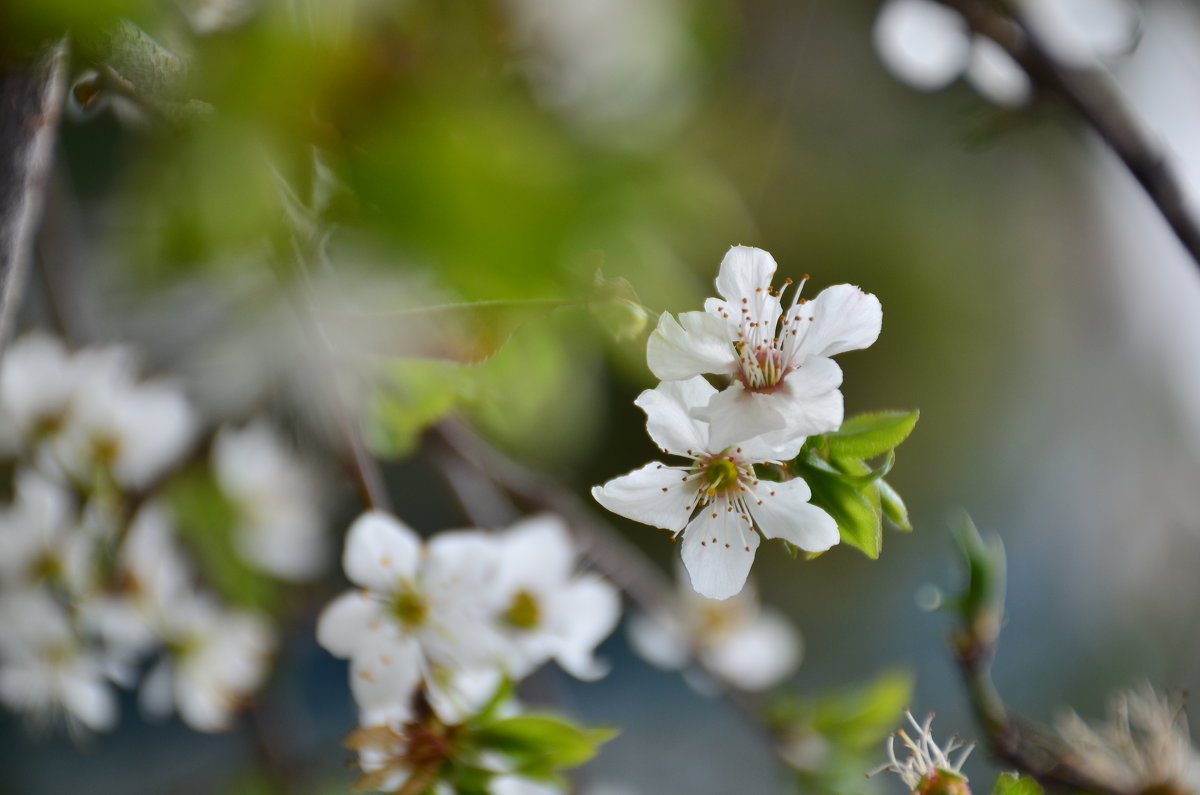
(1091, 94)
(31, 100)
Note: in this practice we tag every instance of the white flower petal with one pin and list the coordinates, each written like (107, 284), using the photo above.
(757, 654)
(718, 550)
(698, 342)
(87, 696)
(996, 76)
(154, 696)
(381, 551)
(736, 414)
(669, 411)
(660, 641)
(536, 550)
(922, 43)
(809, 400)
(593, 607)
(383, 677)
(782, 510)
(841, 318)
(348, 623)
(457, 694)
(745, 273)
(655, 495)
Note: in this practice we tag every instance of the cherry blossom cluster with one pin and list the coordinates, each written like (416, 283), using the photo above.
(434, 629)
(97, 589)
(778, 387)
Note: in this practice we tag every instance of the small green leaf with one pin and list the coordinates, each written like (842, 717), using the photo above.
(1015, 784)
(893, 507)
(859, 519)
(542, 743)
(982, 600)
(861, 716)
(869, 435)
(414, 394)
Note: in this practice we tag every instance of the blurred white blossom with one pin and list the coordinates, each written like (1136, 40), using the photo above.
(548, 610)
(421, 613)
(745, 644)
(278, 500)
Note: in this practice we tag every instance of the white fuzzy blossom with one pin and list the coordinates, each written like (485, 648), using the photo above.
(782, 382)
(929, 766)
(747, 645)
(716, 500)
(280, 527)
(454, 614)
(1143, 746)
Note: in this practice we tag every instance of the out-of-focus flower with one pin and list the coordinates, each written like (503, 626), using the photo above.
(1144, 746)
(40, 539)
(549, 611)
(719, 486)
(620, 66)
(213, 16)
(133, 430)
(928, 45)
(37, 384)
(216, 659)
(280, 528)
(929, 768)
(420, 614)
(748, 646)
(782, 381)
(45, 669)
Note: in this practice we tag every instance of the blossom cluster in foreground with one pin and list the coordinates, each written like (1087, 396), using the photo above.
(780, 386)
(434, 629)
(97, 588)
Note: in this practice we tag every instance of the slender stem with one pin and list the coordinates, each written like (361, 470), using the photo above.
(1092, 95)
(30, 105)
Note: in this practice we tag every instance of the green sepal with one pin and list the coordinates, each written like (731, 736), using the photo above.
(1016, 784)
(541, 744)
(858, 517)
(893, 507)
(869, 435)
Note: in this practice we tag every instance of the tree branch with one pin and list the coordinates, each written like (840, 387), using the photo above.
(31, 100)
(1091, 94)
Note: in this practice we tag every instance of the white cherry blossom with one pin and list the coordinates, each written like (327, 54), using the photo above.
(928, 764)
(40, 538)
(549, 611)
(420, 614)
(747, 645)
(782, 381)
(280, 524)
(45, 669)
(716, 500)
(216, 659)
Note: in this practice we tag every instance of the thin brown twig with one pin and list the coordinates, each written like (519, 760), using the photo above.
(1093, 96)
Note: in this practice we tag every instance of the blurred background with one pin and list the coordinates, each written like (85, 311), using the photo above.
(1036, 311)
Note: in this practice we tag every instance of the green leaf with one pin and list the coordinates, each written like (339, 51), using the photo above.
(853, 471)
(859, 519)
(542, 743)
(869, 435)
(414, 394)
(1015, 784)
(893, 507)
(860, 717)
(982, 600)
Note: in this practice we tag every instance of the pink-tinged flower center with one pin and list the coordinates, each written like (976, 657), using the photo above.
(760, 370)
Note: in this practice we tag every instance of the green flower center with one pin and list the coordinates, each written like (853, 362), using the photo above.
(409, 608)
(721, 475)
(524, 612)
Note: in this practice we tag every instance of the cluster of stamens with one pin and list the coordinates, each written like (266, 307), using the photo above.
(762, 363)
(926, 758)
